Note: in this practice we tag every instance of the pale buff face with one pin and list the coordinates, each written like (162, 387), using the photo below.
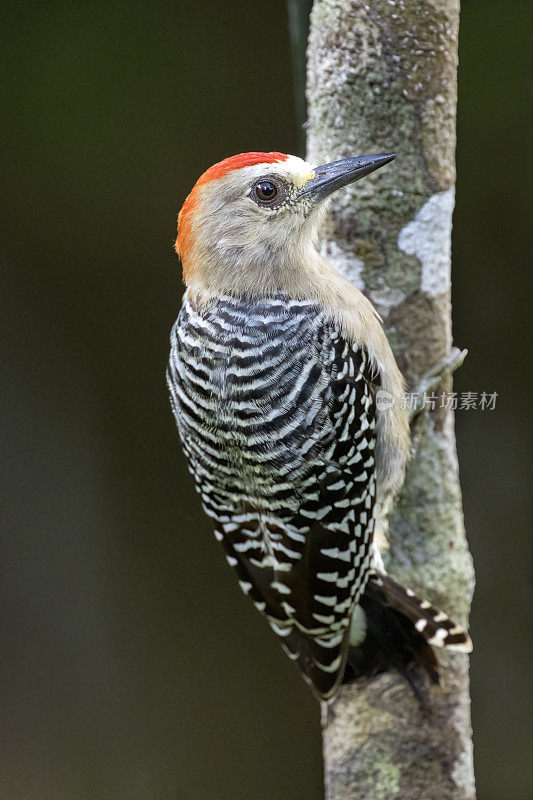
(240, 243)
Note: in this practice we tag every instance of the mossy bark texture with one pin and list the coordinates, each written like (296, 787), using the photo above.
(382, 77)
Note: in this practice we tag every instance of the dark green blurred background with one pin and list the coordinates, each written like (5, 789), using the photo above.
(132, 668)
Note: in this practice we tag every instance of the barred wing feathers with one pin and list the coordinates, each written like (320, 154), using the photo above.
(276, 413)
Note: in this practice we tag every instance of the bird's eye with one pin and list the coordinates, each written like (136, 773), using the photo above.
(266, 191)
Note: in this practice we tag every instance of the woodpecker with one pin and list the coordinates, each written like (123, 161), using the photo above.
(275, 363)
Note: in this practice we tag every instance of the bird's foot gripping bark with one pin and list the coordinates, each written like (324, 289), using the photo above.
(431, 380)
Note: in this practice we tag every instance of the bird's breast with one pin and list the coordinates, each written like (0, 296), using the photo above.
(250, 381)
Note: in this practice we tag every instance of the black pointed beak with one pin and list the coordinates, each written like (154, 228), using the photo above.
(330, 177)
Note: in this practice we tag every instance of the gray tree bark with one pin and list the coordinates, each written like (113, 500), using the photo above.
(382, 76)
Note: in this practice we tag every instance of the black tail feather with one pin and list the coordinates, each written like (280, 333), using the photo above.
(391, 643)
(435, 625)
(397, 639)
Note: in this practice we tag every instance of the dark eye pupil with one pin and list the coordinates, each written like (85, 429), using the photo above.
(266, 190)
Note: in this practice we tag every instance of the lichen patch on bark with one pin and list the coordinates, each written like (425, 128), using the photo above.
(429, 237)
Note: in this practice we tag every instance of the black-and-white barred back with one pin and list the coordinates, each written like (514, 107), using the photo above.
(276, 414)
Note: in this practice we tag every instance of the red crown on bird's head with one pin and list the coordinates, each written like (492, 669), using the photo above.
(218, 170)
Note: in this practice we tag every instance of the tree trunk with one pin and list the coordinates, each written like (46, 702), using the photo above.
(382, 77)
